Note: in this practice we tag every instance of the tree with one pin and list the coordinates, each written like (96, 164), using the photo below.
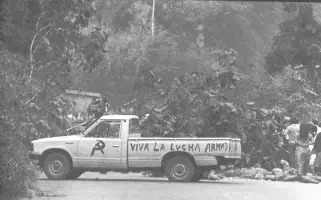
(296, 54)
(40, 45)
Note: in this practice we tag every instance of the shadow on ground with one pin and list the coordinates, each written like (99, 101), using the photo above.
(144, 180)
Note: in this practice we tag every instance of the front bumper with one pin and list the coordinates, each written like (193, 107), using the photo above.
(35, 158)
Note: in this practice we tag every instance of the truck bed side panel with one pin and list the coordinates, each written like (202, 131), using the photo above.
(148, 152)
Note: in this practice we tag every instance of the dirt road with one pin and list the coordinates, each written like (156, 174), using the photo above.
(114, 186)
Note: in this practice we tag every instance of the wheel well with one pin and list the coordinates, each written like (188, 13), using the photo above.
(225, 161)
(170, 155)
(49, 151)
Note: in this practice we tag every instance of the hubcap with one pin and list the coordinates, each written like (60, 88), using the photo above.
(179, 170)
(56, 167)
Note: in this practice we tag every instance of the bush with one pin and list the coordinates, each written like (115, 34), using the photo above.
(17, 175)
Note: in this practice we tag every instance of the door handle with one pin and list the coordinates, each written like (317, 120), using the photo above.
(115, 145)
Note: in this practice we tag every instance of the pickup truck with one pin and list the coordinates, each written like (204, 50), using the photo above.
(113, 143)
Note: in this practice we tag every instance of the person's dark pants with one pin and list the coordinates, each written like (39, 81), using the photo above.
(291, 149)
(317, 164)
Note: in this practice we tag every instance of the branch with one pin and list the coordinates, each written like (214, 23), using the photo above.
(153, 108)
(314, 45)
(134, 100)
(38, 21)
(110, 94)
(31, 49)
(42, 89)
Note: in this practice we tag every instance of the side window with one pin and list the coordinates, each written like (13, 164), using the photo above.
(134, 126)
(105, 129)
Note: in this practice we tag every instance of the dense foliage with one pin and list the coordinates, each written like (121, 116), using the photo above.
(40, 44)
(294, 59)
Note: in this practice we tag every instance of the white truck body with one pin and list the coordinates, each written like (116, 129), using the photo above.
(121, 149)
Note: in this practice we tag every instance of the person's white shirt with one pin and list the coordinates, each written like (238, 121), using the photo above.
(291, 132)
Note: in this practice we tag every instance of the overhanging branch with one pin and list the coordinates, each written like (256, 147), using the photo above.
(42, 89)
(31, 52)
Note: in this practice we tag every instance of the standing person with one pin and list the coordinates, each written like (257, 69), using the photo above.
(317, 150)
(290, 134)
(313, 154)
(302, 151)
(314, 161)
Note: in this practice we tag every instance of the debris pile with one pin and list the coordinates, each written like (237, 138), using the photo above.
(277, 174)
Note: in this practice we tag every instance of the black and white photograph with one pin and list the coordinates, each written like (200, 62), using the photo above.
(160, 100)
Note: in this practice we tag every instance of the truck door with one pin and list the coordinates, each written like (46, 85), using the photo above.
(92, 147)
(113, 155)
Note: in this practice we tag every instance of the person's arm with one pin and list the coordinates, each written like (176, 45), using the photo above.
(317, 142)
(299, 143)
(286, 133)
(311, 140)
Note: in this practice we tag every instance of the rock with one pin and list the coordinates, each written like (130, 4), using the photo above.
(269, 173)
(229, 173)
(237, 172)
(270, 177)
(280, 177)
(248, 173)
(277, 171)
(221, 176)
(213, 176)
(261, 171)
(222, 167)
(259, 176)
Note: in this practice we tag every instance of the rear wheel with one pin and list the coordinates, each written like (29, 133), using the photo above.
(56, 166)
(74, 174)
(180, 168)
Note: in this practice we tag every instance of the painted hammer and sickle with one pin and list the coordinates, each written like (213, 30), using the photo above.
(100, 145)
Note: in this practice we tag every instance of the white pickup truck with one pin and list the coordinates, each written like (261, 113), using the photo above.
(113, 143)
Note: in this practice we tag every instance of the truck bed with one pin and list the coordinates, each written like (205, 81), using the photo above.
(150, 151)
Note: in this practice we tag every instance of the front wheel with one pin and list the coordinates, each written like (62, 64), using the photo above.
(57, 166)
(180, 168)
(74, 174)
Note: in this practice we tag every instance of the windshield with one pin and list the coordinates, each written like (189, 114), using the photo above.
(89, 123)
(81, 128)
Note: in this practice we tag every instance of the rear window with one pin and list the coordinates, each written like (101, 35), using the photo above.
(134, 126)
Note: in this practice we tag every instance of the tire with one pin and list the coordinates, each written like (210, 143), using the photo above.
(198, 176)
(74, 174)
(180, 168)
(57, 166)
